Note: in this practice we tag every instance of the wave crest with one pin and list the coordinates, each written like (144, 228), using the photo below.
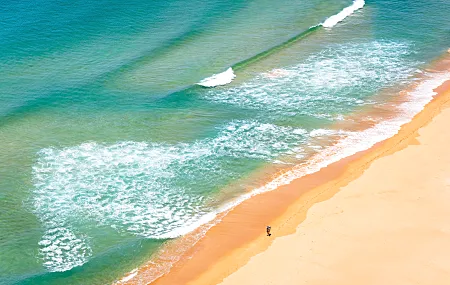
(333, 20)
(218, 79)
(151, 190)
(321, 86)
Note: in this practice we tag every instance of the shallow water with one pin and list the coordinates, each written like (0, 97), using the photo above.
(109, 148)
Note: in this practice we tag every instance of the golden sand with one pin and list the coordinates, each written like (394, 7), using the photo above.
(388, 226)
(378, 217)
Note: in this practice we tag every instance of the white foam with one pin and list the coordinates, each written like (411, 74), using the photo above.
(149, 190)
(130, 276)
(321, 132)
(218, 79)
(61, 249)
(325, 84)
(135, 187)
(355, 142)
(333, 20)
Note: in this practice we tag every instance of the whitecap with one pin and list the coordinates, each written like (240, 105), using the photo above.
(146, 189)
(218, 79)
(333, 20)
(323, 85)
(352, 142)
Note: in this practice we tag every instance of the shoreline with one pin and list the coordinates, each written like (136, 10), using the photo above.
(387, 223)
(240, 234)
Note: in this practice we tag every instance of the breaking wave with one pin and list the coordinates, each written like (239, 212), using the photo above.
(153, 190)
(351, 142)
(333, 20)
(218, 79)
(324, 84)
(146, 189)
(356, 141)
(228, 75)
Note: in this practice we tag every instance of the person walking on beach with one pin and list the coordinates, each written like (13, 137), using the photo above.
(268, 231)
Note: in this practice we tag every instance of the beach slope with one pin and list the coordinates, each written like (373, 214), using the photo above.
(388, 226)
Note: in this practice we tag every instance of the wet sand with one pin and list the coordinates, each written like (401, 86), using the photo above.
(378, 216)
(388, 226)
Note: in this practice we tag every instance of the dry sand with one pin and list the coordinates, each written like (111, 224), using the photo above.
(378, 217)
(389, 226)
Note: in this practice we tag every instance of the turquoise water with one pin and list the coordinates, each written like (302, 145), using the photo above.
(108, 148)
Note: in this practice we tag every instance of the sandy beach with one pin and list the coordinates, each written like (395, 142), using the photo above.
(389, 226)
(377, 217)
(153, 143)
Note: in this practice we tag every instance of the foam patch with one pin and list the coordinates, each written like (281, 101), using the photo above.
(146, 189)
(333, 81)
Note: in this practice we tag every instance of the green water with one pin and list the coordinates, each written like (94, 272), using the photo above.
(107, 146)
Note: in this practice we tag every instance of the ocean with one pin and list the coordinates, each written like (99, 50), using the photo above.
(127, 125)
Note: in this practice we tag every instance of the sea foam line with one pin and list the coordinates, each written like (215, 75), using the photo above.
(354, 142)
(130, 276)
(227, 76)
(350, 145)
(333, 20)
(136, 187)
(218, 79)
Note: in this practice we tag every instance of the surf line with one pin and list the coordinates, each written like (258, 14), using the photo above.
(227, 76)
